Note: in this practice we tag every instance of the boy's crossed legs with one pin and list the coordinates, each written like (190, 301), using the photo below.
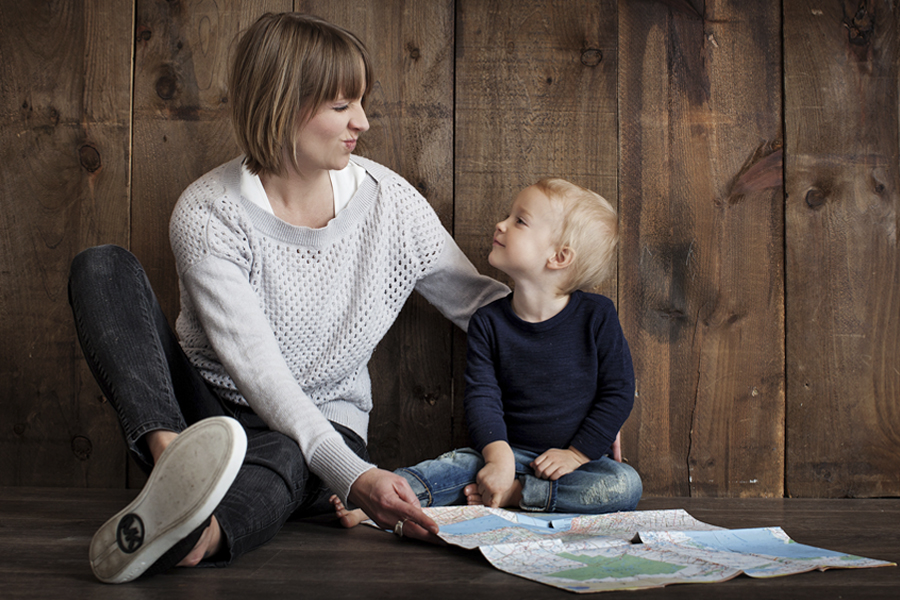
(599, 486)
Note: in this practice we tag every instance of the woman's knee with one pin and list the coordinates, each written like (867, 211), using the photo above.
(99, 263)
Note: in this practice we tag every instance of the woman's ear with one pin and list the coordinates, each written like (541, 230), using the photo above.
(561, 259)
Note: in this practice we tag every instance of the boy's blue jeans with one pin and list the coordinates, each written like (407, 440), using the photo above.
(600, 486)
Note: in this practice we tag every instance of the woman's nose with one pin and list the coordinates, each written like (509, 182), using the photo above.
(359, 122)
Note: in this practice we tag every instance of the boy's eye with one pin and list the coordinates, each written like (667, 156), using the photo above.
(519, 221)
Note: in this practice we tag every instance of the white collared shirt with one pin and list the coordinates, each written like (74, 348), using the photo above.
(344, 184)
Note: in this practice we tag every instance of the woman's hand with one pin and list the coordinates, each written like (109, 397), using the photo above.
(387, 499)
(556, 462)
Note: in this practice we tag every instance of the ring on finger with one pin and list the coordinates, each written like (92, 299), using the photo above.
(398, 528)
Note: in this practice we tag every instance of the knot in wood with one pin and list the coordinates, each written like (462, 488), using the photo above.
(166, 86)
(861, 27)
(591, 57)
(89, 158)
(427, 396)
(815, 198)
(82, 447)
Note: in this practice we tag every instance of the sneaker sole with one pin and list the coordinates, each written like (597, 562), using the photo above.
(187, 483)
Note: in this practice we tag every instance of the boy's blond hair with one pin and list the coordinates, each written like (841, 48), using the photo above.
(285, 67)
(590, 227)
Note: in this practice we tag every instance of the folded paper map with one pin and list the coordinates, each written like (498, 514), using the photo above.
(629, 550)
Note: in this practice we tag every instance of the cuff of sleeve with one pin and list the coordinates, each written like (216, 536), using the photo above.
(588, 447)
(338, 466)
(479, 444)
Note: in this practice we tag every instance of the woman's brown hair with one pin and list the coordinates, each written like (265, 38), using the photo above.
(285, 67)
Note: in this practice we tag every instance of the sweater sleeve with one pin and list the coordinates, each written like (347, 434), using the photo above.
(455, 287)
(615, 390)
(483, 398)
(213, 269)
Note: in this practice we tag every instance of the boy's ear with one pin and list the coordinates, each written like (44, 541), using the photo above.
(561, 259)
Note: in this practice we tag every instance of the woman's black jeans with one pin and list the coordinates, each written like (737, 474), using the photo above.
(144, 374)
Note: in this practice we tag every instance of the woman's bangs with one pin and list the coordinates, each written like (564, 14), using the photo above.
(350, 76)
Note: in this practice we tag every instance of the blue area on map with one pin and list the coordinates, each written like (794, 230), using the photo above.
(492, 523)
(758, 541)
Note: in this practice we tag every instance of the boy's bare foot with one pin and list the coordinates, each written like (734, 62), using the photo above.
(348, 518)
(510, 499)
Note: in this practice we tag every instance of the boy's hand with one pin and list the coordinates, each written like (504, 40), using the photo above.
(495, 480)
(556, 462)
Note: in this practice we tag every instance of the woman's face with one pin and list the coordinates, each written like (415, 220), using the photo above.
(329, 137)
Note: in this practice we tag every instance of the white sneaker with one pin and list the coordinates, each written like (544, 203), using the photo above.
(185, 486)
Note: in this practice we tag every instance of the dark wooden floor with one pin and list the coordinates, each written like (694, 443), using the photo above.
(44, 536)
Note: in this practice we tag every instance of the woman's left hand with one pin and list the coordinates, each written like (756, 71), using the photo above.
(387, 499)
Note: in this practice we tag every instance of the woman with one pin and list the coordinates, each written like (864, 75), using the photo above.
(293, 261)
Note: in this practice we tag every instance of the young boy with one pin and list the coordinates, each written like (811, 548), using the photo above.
(549, 379)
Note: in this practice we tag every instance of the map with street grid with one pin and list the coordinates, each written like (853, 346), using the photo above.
(629, 550)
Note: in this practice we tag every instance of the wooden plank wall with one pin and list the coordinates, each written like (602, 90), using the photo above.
(751, 147)
(701, 262)
(65, 184)
(843, 264)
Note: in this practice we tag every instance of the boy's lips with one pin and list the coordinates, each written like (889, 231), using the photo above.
(497, 243)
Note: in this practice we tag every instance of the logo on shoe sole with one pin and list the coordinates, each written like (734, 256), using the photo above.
(130, 533)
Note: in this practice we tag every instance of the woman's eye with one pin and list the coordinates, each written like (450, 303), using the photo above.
(342, 107)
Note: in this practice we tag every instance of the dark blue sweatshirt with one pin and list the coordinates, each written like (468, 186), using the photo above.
(565, 381)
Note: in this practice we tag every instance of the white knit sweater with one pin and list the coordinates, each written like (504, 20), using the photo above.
(286, 318)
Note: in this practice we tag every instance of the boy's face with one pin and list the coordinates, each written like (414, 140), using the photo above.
(527, 238)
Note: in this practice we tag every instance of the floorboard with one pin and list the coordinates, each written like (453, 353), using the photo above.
(45, 532)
